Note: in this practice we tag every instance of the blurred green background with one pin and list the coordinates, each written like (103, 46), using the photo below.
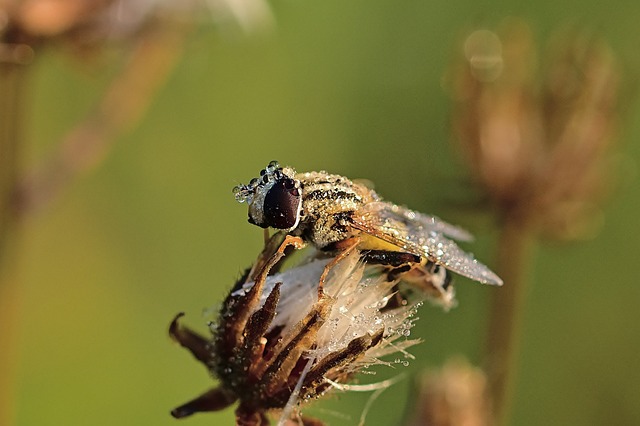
(352, 87)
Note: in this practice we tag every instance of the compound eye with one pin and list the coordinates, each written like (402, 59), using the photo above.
(282, 205)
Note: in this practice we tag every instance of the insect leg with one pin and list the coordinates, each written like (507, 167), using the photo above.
(397, 264)
(435, 282)
(432, 279)
(276, 243)
(389, 258)
(396, 272)
(345, 247)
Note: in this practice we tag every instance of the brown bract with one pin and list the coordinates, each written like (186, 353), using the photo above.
(265, 364)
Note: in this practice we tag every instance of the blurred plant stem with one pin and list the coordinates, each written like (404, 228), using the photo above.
(13, 76)
(514, 257)
(540, 149)
(12, 85)
(152, 57)
(9, 313)
(150, 62)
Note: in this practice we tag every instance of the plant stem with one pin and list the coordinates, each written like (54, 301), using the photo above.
(12, 77)
(147, 69)
(514, 253)
(12, 86)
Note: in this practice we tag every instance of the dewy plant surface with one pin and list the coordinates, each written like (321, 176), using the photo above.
(279, 341)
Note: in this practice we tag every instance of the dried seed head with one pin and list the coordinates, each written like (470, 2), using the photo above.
(456, 395)
(539, 146)
(90, 23)
(496, 119)
(278, 342)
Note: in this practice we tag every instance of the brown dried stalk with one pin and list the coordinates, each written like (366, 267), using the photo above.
(26, 28)
(542, 155)
(151, 60)
(13, 78)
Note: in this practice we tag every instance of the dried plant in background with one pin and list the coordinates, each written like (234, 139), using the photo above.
(539, 144)
(150, 36)
(147, 36)
(26, 28)
(279, 341)
(455, 395)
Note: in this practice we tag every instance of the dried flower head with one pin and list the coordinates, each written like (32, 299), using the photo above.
(539, 146)
(279, 342)
(90, 23)
(456, 395)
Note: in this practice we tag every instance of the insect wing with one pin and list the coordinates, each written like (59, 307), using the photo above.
(431, 223)
(424, 235)
(406, 219)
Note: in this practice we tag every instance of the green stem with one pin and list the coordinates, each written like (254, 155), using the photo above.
(514, 254)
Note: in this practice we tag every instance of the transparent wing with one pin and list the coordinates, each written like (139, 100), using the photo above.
(428, 222)
(424, 235)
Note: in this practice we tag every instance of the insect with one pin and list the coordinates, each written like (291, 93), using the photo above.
(334, 213)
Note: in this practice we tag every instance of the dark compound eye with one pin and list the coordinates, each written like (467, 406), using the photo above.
(289, 184)
(282, 204)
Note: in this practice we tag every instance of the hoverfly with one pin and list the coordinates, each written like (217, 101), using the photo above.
(334, 213)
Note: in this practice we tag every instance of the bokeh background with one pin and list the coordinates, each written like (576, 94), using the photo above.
(352, 87)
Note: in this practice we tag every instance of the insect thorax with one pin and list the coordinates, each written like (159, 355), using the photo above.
(327, 203)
